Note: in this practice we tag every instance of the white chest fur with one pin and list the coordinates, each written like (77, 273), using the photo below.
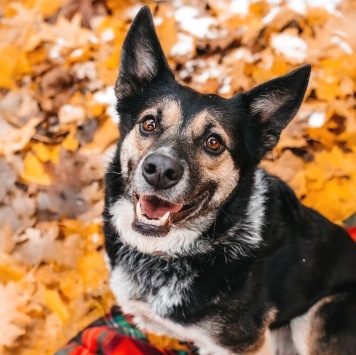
(170, 294)
(149, 314)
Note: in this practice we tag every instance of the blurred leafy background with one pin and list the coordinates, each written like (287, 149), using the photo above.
(58, 64)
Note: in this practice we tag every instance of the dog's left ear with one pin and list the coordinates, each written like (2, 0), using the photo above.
(142, 57)
(272, 105)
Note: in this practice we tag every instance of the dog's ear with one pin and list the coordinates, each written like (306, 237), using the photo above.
(142, 57)
(272, 105)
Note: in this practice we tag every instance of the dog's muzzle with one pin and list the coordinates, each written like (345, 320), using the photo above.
(158, 206)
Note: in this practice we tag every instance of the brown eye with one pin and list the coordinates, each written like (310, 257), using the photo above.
(214, 144)
(149, 123)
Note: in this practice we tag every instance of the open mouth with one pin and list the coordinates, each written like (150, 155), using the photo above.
(154, 215)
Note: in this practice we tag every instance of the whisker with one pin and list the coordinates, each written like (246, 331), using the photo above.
(114, 172)
(214, 225)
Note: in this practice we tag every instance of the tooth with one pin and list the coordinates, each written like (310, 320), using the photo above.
(154, 222)
(164, 218)
(138, 209)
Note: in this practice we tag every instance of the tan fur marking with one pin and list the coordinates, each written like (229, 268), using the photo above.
(263, 346)
(222, 170)
(199, 123)
(317, 329)
(133, 148)
(171, 115)
(307, 328)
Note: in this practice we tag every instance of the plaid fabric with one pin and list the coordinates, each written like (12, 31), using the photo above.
(352, 232)
(114, 334)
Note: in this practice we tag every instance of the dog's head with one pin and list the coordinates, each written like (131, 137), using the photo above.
(181, 153)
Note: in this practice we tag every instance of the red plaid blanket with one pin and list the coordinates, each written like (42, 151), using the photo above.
(352, 232)
(114, 334)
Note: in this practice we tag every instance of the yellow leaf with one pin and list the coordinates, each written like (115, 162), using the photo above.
(54, 153)
(94, 108)
(46, 7)
(298, 183)
(92, 269)
(56, 305)
(71, 226)
(71, 143)
(13, 65)
(7, 67)
(336, 201)
(279, 66)
(42, 152)
(328, 89)
(11, 273)
(34, 171)
(71, 285)
(119, 7)
(322, 135)
(167, 31)
(258, 8)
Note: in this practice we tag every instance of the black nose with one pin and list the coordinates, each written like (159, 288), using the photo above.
(161, 171)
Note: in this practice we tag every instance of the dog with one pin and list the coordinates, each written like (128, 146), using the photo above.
(204, 245)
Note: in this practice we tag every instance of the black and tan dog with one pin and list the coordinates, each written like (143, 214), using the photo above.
(204, 245)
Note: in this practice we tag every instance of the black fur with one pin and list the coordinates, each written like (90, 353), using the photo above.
(303, 257)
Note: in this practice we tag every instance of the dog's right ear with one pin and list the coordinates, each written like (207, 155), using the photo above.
(142, 57)
(272, 105)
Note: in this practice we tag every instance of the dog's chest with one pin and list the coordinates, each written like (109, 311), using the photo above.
(153, 288)
(150, 309)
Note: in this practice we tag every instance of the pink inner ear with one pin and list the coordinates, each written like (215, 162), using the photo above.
(146, 64)
(265, 107)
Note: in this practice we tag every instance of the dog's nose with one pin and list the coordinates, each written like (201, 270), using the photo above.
(161, 171)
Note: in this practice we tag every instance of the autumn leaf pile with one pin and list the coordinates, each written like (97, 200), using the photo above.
(58, 63)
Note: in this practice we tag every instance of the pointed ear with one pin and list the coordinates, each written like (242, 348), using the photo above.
(272, 105)
(142, 57)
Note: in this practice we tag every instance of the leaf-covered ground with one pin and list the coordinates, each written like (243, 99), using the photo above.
(58, 63)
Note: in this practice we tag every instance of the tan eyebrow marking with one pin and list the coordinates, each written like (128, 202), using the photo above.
(201, 121)
(171, 113)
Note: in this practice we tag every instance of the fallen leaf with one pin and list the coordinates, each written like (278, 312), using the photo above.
(34, 171)
(56, 305)
(103, 137)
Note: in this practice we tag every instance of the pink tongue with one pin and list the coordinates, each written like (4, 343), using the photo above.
(153, 207)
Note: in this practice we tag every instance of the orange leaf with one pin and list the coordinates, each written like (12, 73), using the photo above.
(92, 269)
(56, 305)
(34, 171)
(103, 137)
(71, 143)
(11, 273)
(167, 30)
(42, 152)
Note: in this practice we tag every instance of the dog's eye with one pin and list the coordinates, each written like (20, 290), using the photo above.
(148, 123)
(213, 143)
